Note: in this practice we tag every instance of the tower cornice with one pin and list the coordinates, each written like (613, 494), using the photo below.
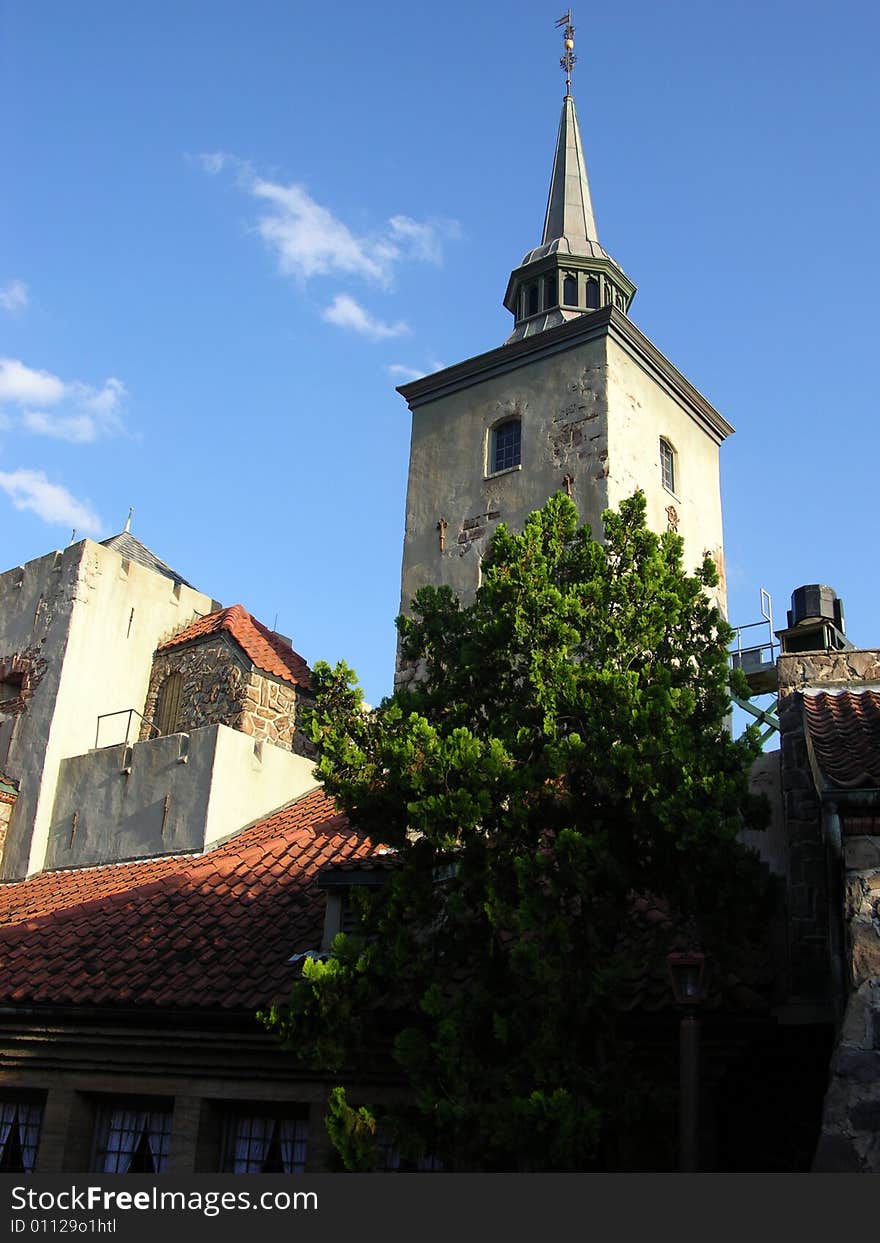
(606, 322)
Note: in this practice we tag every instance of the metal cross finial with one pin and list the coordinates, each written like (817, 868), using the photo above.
(567, 62)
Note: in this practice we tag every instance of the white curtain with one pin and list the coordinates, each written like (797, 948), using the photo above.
(252, 1138)
(29, 1118)
(293, 1137)
(8, 1111)
(158, 1138)
(124, 1129)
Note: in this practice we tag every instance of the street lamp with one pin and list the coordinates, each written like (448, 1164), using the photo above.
(686, 973)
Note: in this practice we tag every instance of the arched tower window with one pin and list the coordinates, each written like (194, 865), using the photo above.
(505, 446)
(667, 464)
(570, 291)
(592, 294)
(532, 300)
(551, 298)
(168, 704)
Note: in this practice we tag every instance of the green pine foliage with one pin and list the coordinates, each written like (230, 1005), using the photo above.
(565, 750)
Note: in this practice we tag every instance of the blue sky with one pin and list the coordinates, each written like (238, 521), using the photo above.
(228, 230)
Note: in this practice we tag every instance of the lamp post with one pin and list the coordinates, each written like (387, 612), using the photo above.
(686, 973)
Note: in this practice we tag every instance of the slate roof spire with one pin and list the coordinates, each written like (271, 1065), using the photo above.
(569, 205)
(569, 274)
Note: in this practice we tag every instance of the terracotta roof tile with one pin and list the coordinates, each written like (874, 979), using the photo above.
(844, 733)
(172, 932)
(264, 648)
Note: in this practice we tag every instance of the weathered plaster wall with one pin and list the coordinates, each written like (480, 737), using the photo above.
(7, 803)
(593, 410)
(177, 793)
(641, 410)
(561, 402)
(770, 843)
(92, 621)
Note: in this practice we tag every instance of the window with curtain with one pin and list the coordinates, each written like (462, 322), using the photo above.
(133, 1139)
(265, 1143)
(19, 1135)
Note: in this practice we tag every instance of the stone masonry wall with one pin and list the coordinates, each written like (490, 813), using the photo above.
(850, 1135)
(850, 1138)
(221, 687)
(214, 677)
(270, 712)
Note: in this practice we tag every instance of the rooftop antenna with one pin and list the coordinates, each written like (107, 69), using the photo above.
(567, 61)
(128, 519)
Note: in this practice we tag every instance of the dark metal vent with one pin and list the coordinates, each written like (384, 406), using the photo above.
(816, 602)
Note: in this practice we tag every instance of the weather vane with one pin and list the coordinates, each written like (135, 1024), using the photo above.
(567, 62)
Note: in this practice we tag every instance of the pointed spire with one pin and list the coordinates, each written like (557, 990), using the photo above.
(569, 205)
(569, 274)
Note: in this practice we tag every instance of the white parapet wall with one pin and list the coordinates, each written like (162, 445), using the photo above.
(181, 792)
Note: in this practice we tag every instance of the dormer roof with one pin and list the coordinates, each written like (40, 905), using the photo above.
(267, 650)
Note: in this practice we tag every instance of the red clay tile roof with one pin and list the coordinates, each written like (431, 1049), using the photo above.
(265, 649)
(206, 932)
(844, 734)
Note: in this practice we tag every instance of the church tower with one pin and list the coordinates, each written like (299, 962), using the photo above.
(577, 399)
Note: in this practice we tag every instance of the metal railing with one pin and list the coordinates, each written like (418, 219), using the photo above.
(758, 653)
(128, 713)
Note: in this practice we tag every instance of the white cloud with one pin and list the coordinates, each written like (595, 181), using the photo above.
(80, 413)
(30, 489)
(346, 313)
(423, 239)
(214, 161)
(19, 383)
(398, 371)
(79, 429)
(14, 296)
(308, 240)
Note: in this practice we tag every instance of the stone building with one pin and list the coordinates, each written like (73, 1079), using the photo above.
(577, 398)
(89, 637)
(167, 857)
(165, 851)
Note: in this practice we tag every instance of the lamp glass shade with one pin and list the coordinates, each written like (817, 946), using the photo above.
(686, 973)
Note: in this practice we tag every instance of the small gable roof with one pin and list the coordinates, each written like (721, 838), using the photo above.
(267, 651)
(215, 931)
